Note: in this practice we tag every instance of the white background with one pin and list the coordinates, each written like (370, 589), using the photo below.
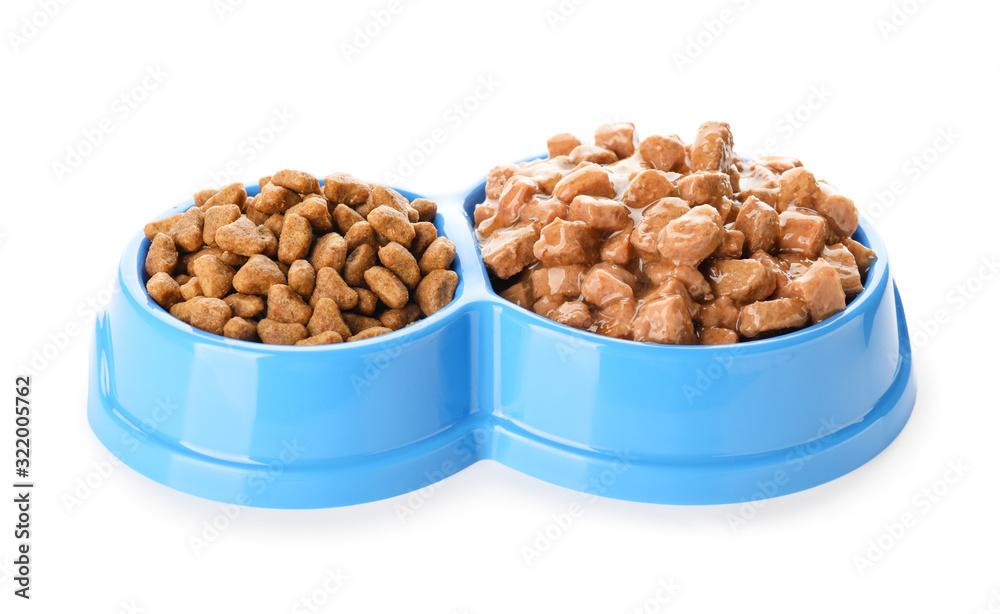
(870, 96)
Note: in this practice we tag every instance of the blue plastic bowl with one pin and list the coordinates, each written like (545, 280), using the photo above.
(324, 426)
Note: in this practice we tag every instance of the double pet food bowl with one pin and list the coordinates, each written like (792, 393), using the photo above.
(324, 426)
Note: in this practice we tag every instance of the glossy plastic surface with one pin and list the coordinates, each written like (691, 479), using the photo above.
(295, 427)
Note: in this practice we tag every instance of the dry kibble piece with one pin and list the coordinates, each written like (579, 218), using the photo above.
(191, 289)
(664, 153)
(207, 314)
(245, 305)
(367, 301)
(184, 261)
(426, 209)
(241, 328)
(187, 232)
(329, 284)
(394, 319)
(240, 237)
(233, 260)
(426, 233)
(345, 217)
(438, 255)
(325, 338)
(232, 194)
(436, 290)
(163, 289)
(201, 196)
(162, 256)
(345, 188)
(302, 278)
(214, 276)
(385, 196)
(295, 240)
(329, 250)
(357, 322)
(280, 333)
(275, 223)
(255, 216)
(361, 232)
(275, 199)
(401, 262)
(413, 311)
(296, 181)
(154, 228)
(257, 276)
(358, 261)
(315, 210)
(270, 241)
(368, 333)
(393, 224)
(562, 144)
(216, 218)
(766, 316)
(326, 316)
(387, 286)
(285, 305)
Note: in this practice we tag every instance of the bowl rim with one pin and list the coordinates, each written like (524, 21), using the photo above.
(875, 284)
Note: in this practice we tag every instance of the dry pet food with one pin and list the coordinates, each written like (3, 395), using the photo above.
(665, 241)
(301, 263)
